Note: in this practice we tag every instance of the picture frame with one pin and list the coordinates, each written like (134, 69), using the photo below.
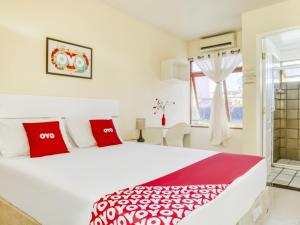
(68, 59)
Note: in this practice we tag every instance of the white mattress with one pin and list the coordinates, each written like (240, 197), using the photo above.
(61, 189)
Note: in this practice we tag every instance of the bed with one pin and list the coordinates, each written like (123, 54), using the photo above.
(61, 189)
(65, 193)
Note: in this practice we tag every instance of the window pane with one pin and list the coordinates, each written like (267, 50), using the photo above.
(202, 99)
(204, 89)
(234, 84)
(293, 72)
(291, 63)
(195, 68)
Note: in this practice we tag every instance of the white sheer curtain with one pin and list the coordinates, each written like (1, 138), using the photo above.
(217, 67)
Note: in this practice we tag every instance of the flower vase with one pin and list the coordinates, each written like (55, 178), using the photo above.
(163, 120)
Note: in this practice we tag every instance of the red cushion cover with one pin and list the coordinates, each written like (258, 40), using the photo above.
(45, 138)
(105, 133)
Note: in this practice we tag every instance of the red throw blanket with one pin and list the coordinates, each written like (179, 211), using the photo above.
(168, 199)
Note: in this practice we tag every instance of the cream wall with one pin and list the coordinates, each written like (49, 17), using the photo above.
(126, 56)
(199, 139)
(254, 23)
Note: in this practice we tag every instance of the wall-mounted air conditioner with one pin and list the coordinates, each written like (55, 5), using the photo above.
(219, 42)
(175, 69)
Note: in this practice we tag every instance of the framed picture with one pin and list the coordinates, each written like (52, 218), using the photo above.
(68, 59)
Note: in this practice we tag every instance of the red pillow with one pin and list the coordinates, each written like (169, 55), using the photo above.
(105, 133)
(45, 139)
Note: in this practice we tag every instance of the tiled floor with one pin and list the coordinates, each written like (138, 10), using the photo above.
(284, 178)
(289, 162)
(285, 209)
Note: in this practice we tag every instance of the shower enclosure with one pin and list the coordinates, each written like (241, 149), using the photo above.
(286, 147)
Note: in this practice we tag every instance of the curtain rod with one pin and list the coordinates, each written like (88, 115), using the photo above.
(219, 54)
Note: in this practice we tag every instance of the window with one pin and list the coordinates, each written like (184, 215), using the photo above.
(290, 71)
(202, 89)
(290, 63)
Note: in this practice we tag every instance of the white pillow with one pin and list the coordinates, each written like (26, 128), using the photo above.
(13, 137)
(80, 130)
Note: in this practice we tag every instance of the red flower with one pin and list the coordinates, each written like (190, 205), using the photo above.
(86, 59)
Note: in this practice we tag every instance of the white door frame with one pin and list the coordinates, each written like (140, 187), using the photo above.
(259, 88)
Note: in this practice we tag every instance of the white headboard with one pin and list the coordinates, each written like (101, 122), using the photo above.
(26, 106)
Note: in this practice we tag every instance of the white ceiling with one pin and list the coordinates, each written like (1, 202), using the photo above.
(191, 18)
(287, 39)
(288, 44)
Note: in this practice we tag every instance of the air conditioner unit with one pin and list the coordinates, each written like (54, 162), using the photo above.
(219, 42)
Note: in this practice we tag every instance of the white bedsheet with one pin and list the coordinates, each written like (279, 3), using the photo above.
(61, 189)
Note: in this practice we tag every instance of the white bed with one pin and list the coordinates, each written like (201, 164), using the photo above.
(61, 189)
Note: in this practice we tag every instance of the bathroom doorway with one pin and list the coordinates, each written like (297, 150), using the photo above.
(280, 70)
(279, 93)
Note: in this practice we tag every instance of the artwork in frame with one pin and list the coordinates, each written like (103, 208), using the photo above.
(68, 59)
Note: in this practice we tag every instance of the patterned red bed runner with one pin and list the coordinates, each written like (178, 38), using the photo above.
(168, 199)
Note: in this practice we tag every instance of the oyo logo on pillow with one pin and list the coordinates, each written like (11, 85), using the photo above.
(47, 136)
(108, 130)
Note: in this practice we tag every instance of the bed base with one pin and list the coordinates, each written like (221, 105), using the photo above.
(10, 215)
(259, 210)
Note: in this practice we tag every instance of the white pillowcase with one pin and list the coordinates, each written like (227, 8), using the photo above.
(13, 137)
(80, 130)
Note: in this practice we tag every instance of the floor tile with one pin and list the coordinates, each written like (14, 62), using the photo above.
(283, 179)
(272, 174)
(295, 182)
(289, 172)
(276, 170)
(271, 178)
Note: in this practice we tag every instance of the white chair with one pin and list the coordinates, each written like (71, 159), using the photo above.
(153, 136)
(174, 136)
